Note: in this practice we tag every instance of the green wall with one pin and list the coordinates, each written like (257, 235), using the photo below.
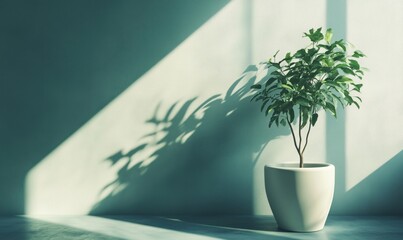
(62, 61)
(101, 95)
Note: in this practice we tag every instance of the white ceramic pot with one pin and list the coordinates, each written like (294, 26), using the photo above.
(300, 198)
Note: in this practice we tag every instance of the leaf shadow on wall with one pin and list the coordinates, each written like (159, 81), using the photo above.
(62, 62)
(196, 162)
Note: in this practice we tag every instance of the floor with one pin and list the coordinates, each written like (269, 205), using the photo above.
(190, 228)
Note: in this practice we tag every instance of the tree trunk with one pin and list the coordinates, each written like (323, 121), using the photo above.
(301, 160)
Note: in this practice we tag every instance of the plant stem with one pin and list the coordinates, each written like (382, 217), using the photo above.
(294, 138)
(293, 134)
(307, 135)
(309, 130)
(300, 153)
(301, 160)
(299, 128)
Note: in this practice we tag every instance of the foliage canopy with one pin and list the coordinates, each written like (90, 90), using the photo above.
(320, 76)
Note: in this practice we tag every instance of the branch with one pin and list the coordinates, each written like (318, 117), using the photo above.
(307, 134)
(293, 134)
(299, 129)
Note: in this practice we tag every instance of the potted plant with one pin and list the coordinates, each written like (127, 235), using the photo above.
(320, 76)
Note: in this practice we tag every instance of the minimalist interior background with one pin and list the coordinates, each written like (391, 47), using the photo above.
(123, 107)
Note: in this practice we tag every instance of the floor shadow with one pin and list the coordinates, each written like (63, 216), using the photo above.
(61, 62)
(23, 228)
(210, 227)
(260, 223)
(380, 193)
(200, 159)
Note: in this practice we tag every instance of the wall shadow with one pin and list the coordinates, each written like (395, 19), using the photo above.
(200, 162)
(380, 193)
(62, 61)
(336, 18)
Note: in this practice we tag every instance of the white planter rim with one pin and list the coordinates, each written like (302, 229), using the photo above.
(295, 166)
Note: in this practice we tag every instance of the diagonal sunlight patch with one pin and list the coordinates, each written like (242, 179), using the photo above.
(72, 178)
(374, 133)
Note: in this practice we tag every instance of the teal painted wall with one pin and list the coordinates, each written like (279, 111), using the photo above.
(62, 61)
(123, 107)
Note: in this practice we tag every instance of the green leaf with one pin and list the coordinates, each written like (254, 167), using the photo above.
(357, 87)
(338, 99)
(270, 108)
(288, 87)
(341, 44)
(324, 46)
(344, 79)
(339, 56)
(276, 65)
(328, 62)
(312, 51)
(283, 122)
(256, 86)
(348, 98)
(255, 96)
(358, 54)
(305, 116)
(314, 118)
(264, 104)
(300, 53)
(341, 65)
(347, 70)
(259, 98)
(288, 57)
(315, 36)
(270, 89)
(354, 64)
(276, 74)
(291, 114)
(328, 35)
(356, 104)
(277, 120)
(270, 81)
(274, 118)
(331, 108)
(302, 101)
